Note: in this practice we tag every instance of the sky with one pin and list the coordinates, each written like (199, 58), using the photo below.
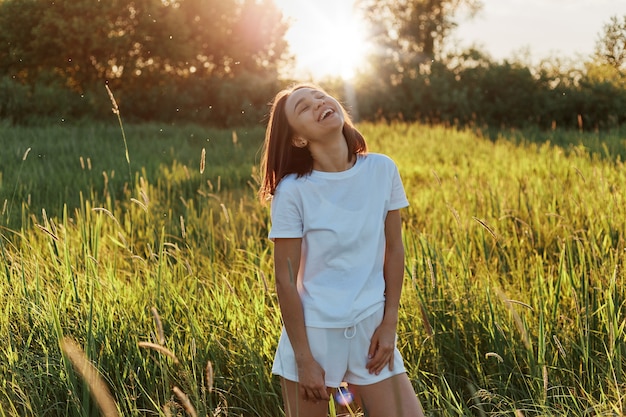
(563, 28)
(503, 29)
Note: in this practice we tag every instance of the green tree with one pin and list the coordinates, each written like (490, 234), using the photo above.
(409, 33)
(609, 64)
(142, 47)
(122, 39)
(407, 66)
(611, 47)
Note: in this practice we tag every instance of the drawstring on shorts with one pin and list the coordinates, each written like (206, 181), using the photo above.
(349, 332)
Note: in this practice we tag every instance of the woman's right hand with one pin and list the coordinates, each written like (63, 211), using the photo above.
(311, 377)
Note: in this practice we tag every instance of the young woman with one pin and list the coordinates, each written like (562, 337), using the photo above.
(339, 259)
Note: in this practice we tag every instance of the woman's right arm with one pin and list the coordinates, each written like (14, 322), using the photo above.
(286, 265)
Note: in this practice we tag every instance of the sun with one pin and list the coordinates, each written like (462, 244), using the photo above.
(327, 37)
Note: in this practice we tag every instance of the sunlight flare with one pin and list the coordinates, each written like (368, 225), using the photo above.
(328, 38)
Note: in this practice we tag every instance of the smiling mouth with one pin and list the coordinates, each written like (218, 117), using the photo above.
(325, 114)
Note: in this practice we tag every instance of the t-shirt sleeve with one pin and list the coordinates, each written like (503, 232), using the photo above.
(398, 197)
(286, 213)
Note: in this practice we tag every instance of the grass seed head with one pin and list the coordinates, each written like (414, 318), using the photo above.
(160, 349)
(158, 325)
(209, 376)
(186, 403)
(115, 109)
(494, 355)
(202, 160)
(97, 387)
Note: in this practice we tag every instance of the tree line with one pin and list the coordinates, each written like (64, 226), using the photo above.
(219, 62)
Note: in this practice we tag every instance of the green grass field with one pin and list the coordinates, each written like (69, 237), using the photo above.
(154, 275)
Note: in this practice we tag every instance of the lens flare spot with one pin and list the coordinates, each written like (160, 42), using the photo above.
(343, 396)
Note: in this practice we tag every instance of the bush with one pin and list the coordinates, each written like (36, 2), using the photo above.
(44, 101)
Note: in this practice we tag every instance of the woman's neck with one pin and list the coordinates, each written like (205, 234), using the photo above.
(332, 157)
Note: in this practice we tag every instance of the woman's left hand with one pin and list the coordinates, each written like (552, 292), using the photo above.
(381, 348)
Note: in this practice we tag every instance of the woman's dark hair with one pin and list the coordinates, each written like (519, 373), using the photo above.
(281, 157)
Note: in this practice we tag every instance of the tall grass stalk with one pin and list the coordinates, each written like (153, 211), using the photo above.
(116, 111)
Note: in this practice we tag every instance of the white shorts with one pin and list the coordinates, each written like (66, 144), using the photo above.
(341, 352)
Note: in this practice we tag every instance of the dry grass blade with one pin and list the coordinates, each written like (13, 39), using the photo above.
(559, 346)
(98, 388)
(108, 213)
(115, 109)
(266, 286)
(143, 195)
(486, 226)
(209, 376)
(160, 349)
(544, 371)
(52, 235)
(431, 271)
(140, 204)
(225, 211)
(183, 230)
(158, 325)
(455, 213)
(184, 399)
(425, 321)
(494, 355)
(520, 303)
(516, 317)
(580, 174)
(202, 160)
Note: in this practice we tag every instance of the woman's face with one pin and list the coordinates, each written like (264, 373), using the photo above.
(313, 114)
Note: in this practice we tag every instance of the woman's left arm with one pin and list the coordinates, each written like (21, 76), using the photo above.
(383, 341)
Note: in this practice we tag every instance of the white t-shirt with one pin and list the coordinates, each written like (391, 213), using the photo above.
(340, 217)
